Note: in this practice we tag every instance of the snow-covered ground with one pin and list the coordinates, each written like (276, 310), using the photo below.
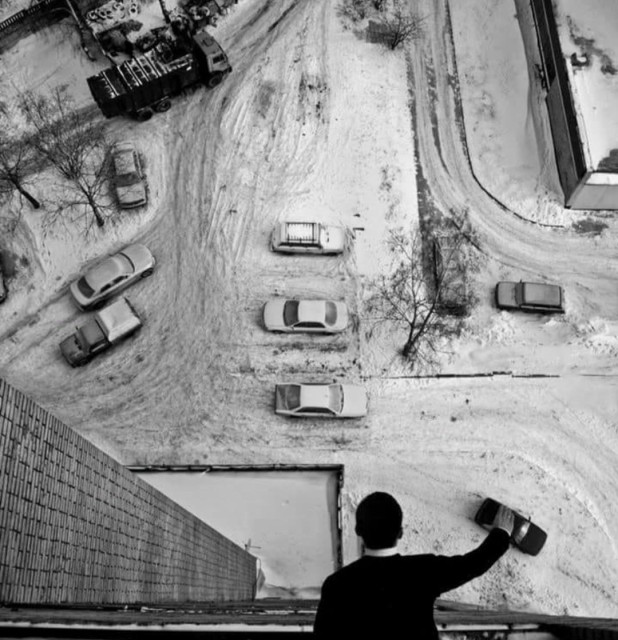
(316, 120)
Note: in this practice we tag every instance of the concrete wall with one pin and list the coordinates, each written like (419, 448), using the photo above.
(77, 527)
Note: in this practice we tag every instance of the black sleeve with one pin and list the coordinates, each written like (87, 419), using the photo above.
(326, 619)
(450, 572)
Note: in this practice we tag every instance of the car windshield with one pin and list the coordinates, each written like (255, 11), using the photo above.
(335, 398)
(84, 288)
(331, 313)
(292, 396)
(290, 313)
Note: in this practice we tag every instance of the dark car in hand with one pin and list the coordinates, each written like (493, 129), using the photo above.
(527, 536)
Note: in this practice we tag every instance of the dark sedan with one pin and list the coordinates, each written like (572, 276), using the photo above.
(526, 535)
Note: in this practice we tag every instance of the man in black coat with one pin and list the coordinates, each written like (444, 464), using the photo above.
(384, 595)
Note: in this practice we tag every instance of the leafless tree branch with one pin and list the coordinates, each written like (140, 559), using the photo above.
(401, 26)
(409, 298)
(74, 145)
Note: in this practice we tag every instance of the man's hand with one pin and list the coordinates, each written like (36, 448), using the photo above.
(504, 519)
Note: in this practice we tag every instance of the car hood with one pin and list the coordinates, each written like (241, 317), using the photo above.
(354, 401)
(132, 195)
(505, 294)
(531, 538)
(334, 238)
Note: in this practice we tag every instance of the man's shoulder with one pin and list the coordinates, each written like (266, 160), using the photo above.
(349, 571)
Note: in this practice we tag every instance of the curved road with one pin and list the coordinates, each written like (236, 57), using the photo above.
(196, 384)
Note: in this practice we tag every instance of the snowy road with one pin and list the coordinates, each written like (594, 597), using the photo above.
(587, 267)
(315, 121)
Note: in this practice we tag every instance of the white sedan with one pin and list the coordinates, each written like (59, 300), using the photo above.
(308, 316)
(311, 400)
(128, 176)
(112, 275)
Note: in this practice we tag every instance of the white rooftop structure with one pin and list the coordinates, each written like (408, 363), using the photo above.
(588, 33)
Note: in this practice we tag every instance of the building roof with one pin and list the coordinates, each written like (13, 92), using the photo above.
(590, 31)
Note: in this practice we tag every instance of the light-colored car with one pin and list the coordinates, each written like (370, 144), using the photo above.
(535, 297)
(129, 180)
(112, 275)
(307, 237)
(308, 316)
(526, 535)
(311, 400)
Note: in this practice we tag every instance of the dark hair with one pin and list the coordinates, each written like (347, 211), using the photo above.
(378, 520)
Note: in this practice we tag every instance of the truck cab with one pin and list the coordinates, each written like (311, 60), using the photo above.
(108, 326)
(211, 57)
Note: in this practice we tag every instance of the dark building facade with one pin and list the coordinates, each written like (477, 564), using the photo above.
(77, 527)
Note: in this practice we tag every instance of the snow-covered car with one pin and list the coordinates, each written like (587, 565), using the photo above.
(307, 237)
(129, 182)
(310, 400)
(535, 297)
(112, 275)
(526, 535)
(308, 316)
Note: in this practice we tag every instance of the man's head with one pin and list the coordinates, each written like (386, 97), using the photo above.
(378, 520)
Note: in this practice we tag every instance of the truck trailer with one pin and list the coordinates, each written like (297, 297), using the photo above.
(145, 83)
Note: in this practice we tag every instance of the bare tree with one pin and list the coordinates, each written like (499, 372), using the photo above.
(14, 167)
(401, 27)
(407, 297)
(15, 160)
(355, 10)
(76, 148)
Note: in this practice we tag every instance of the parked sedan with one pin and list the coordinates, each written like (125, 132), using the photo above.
(128, 176)
(535, 297)
(526, 535)
(310, 316)
(112, 275)
(321, 400)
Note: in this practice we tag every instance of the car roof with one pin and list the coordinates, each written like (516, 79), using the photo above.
(311, 310)
(544, 294)
(314, 395)
(108, 270)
